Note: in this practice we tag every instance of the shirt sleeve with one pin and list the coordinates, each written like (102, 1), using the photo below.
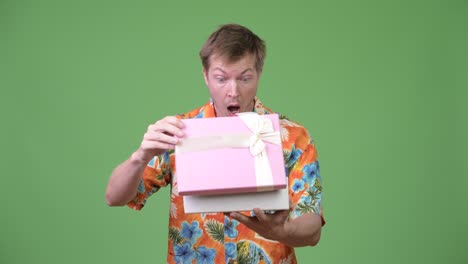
(305, 184)
(157, 174)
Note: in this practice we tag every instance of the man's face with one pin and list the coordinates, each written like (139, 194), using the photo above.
(232, 85)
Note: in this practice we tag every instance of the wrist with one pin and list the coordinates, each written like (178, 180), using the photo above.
(138, 157)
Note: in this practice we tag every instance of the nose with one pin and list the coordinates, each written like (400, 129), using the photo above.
(233, 89)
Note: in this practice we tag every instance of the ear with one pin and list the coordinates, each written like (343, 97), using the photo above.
(205, 76)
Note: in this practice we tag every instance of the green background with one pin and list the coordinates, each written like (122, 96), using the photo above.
(381, 85)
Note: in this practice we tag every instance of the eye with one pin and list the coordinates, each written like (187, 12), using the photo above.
(245, 79)
(220, 79)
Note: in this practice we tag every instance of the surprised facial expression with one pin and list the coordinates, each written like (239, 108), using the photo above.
(232, 85)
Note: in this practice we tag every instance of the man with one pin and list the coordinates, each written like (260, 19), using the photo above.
(232, 59)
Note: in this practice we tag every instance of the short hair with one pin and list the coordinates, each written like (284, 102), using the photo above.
(233, 41)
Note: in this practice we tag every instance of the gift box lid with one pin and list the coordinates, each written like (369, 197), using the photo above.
(230, 155)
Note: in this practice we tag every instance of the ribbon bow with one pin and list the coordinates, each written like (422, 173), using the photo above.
(263, 130)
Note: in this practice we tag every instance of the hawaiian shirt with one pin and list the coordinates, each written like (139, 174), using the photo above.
(217, 238)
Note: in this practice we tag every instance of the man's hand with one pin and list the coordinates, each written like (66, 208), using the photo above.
(302, 231)
(160, 136)
(269, 226)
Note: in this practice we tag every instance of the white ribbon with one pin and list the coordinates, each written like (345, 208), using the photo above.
(262, 130)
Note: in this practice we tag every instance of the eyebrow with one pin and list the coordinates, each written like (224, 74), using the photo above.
(246, 70)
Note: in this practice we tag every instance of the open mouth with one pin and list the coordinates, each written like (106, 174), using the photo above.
(233, 109)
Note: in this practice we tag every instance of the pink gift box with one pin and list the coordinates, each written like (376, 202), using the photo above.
(211, 169)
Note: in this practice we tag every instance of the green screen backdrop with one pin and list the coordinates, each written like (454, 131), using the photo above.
(381, 86)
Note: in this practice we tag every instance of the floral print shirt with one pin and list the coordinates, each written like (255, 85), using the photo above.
(217, 238)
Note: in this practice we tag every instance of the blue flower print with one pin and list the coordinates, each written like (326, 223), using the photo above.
(311, 168)
(293, 157)
(310, 171)
(205, 255)
(201, 114)
(306, 199)
(230, 251)
(141, 187)
(192, 231)
(184, 253)
(297, 186)
(151, 162)
(230, 227)
(165, 157)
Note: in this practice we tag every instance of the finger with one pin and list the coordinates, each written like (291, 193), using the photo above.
(250, 222)
(154, 145)
(165, 127)
(262, 217)
(282, 215)
(160, 137)
(174, 121)
(243, 219)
